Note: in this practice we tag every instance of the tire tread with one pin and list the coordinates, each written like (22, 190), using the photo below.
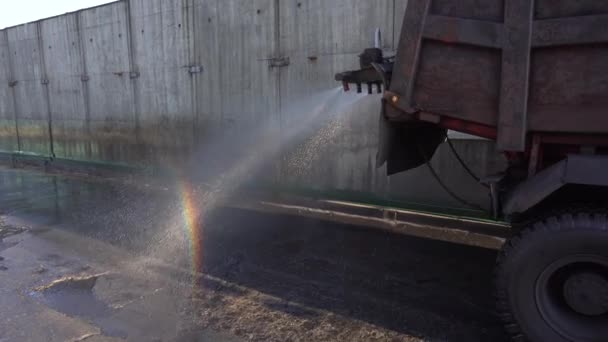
(559, 220)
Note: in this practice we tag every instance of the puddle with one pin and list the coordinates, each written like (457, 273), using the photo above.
(75, 297)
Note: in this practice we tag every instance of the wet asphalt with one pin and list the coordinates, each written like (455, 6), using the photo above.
(329, 276)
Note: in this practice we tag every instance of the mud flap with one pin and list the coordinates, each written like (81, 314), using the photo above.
(407, 145)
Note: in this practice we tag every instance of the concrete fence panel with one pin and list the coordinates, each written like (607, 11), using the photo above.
(151, 82)
(8, 127)
(29, 90)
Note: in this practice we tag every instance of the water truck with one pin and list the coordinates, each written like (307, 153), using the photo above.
(531, 75)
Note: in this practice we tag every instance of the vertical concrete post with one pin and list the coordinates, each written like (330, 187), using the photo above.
(217, 40)
(84, 80)
(277, 54)
(133, 70)
(13, 84)
(45, 84)
(193, 55)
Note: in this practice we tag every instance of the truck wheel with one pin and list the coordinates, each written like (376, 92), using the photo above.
(552, 280)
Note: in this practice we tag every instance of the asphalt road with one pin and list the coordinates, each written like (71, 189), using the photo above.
(114, 261)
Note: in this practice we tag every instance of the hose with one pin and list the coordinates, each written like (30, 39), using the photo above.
(443, 185)
(462, 162)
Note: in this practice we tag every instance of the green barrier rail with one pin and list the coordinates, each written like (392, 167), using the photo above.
(18, 159)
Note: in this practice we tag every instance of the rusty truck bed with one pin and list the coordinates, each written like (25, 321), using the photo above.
(514, 67)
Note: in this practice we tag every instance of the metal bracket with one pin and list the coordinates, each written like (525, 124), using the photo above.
(278, 62)
(12, 83)
(134, 74)
(576, 170)
(195, 69)
(44, 82)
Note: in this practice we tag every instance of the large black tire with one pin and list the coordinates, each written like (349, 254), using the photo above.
(552, 279)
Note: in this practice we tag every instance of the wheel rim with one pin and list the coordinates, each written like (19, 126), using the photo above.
(572, 297)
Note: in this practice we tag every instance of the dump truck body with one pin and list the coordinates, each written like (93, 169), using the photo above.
(533, 76)
(515, 67)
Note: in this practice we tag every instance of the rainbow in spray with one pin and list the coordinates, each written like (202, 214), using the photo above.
(192, 219)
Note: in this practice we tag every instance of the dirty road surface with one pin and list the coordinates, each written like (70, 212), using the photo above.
(98, 260)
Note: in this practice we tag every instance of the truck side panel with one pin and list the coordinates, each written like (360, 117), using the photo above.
(468, 60)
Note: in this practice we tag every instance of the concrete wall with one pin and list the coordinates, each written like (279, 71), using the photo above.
(146, 82)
